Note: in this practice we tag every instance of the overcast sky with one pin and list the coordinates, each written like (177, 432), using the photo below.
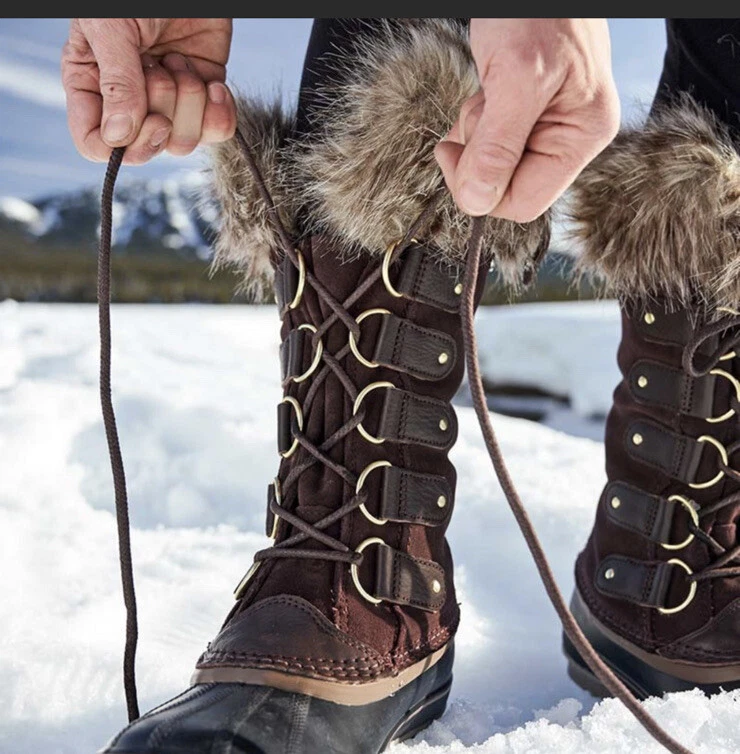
(37, 157)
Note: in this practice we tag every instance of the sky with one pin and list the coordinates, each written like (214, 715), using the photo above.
(36, 153)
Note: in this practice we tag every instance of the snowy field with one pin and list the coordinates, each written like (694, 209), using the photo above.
(195, 390)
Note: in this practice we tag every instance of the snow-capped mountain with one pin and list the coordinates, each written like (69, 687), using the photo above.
(148, 216)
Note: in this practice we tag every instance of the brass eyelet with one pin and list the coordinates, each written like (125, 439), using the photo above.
(355, 571)
(241, 587)
(278, 500)
(723, 455)
(299, 418)
(361, 481)
(358, 402)
(353, 343)
(686, 503)
(735, 384)
(301, 281)
(689, 598)
(316, 359)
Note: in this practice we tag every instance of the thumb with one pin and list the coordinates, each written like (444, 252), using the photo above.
(496, 136)
(122, 84)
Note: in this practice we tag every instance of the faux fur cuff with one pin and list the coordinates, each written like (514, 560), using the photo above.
(367, 173)
(658, 213)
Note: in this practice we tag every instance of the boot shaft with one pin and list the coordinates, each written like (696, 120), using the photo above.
(658, 214)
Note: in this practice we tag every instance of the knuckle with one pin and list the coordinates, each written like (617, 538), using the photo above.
(118, 88)
(493, 158)
(160, 83)
(188, 83)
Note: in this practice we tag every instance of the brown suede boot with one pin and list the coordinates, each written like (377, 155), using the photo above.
(658, 584)
(341, 636)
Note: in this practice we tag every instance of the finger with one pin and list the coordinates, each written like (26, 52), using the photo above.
(84, 110)
(189, 108)
(555, 156)
(494, 148)
(150, 142)
(474, 103)
(448, 154)
(219, 118)
(122, 82)
(161, 89)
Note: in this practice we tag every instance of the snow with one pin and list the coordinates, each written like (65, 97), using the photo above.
(18, 210)
(195, 388)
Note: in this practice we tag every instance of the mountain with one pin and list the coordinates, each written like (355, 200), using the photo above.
(151, 216)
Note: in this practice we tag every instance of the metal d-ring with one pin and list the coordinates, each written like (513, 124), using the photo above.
(278, 500)
(723, 455)
(686, 503)
(301, 281)
(241, 587)
(689, 597)
(358, 402)
(299, 418)
(316, 358)
(355, 571)
(353, 343)
(361, 481)
(386, 270)
(735, 384)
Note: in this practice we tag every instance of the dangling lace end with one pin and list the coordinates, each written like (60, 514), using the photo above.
(570, 626)
(111, 433)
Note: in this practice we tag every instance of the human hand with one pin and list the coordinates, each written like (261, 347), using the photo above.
(547, 106)
(148, 84)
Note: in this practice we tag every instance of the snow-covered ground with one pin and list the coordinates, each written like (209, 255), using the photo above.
(195, 390)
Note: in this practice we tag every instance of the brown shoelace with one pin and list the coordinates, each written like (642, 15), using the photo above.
(306, 531)
(726, 564)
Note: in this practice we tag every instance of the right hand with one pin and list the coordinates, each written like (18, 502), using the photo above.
(546, 107)
(148, 84)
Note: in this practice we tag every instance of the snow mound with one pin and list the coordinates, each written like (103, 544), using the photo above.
(195, 388)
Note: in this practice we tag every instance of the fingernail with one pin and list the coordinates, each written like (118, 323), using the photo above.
(118, 128)
(177, 62)
(477, 198)
(217, 93)
(159, 137)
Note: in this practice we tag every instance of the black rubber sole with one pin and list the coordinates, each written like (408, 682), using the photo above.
(641, 679)
(417, 720)
(421, 717)
(239, 718)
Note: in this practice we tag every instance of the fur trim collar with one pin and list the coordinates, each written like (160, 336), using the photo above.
(658, 212)
(369, 171)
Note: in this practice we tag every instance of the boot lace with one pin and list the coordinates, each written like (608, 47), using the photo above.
(336, 549)
(725, 564)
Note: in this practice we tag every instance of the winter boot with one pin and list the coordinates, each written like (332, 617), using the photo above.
(341, 638)
(658, 584)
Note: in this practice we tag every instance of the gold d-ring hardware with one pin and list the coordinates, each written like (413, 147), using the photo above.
(358, 401)
(278, 500)
(690, 596)
(723, 454)
(301, 281)
(241, 587)
(353, 343)
(361, 481)
(299, 418)
(686, 503)
(355, 571)
(736, 385)
(316, 358)
(385, 269)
